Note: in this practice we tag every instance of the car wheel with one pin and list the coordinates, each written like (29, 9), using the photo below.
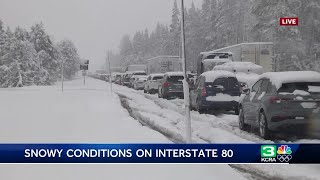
(263, 126)
(144, 90)
(242, 125)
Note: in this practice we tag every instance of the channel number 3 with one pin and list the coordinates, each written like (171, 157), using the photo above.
(268, 151)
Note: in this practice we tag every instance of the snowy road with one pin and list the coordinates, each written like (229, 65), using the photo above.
(87, 114)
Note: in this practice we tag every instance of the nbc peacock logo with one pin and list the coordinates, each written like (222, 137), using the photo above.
(284, 153)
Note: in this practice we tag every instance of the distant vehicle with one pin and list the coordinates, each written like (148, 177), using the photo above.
(139, 82)
(122, 79)
(113, 77)
(208, 60)
(282, 101)
(171, 85)
(192, 79)
(260, 53)
(118, 78)
(215, 90)
(247, 73)
(153, 83)
(134, 75)
(126, 78)
(136, 67)
(163, 64)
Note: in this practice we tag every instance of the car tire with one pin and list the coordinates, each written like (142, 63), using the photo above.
(144, 90)
(264, 131)
(242, 123)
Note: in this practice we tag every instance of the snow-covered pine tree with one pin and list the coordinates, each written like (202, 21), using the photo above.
(175, 30)
(42, 42)
(69, 56)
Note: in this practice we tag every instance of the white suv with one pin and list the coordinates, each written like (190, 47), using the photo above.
(153, 83)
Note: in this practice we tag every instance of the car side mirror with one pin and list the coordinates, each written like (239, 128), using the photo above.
(246, 91)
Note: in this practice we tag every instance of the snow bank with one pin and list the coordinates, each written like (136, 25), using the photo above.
(222, 98)
(245, 67)
(279, 78)
(211, 76)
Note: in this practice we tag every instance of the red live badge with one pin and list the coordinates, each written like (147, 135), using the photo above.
(289, 21)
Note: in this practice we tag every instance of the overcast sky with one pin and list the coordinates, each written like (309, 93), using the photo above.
(93, 25)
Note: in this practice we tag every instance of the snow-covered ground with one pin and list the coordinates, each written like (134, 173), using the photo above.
(91, 114)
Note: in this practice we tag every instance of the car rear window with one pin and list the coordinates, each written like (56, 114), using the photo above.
(225, 83)
(140, 74)
(311, 87)
(157, 77)
(175, 79)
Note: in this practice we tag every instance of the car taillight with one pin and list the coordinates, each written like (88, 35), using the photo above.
(203, 92)
(166, 84)
(275, 99)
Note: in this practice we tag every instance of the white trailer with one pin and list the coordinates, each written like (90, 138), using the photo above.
(260, 53)
(163, 64)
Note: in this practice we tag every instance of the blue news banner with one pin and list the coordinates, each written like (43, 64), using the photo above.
(159, 153)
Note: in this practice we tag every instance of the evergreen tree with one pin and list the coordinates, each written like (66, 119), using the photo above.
(175, 30)
(42, 42)
(69, 57)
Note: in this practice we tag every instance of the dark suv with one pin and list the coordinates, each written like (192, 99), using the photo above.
(283, 101)
(171, 85)
(215, 90)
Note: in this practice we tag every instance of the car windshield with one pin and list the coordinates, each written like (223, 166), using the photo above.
(175, 79)
(310, 87)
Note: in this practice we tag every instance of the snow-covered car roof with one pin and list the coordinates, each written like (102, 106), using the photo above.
(216, 60)
(142, 77)
(138, 76)
(159, 74)
(138, 72)
(240, 67)
(279, 78)
(174, 73)
(213, 75)
(249, 78)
